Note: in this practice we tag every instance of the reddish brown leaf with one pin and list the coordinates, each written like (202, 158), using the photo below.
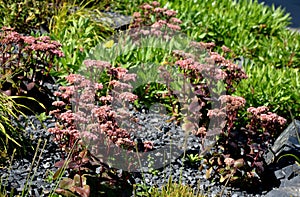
(59, 164)
(57, 173)
(83, 191)
(30, 85)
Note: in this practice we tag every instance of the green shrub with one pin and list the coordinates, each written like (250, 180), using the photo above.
(278, 89)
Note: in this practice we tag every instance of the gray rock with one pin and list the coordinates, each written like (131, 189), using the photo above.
(277, 193)
(289, 177)
(115, 20)
(287, 188)
(288, 172)
(279, 174)
(286, 143)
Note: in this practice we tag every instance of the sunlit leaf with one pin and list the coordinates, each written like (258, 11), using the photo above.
(109, 44)
(66, 183)
(238, 163)
(208, 173)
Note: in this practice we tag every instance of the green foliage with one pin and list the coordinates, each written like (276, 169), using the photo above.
(27, 15)
(278, 89)
(174, 190)
(79, 31)
(248, 28)
(131, 52)
(193, 158)
(144, 59)
(126, 7)
(91, 3)
(49, 176)
(169, 190)
(251, 30)
(10, 134)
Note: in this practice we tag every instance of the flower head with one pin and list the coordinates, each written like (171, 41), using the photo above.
(155, 3)
(170, 13)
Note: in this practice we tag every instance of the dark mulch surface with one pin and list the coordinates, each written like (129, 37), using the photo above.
(151, 126)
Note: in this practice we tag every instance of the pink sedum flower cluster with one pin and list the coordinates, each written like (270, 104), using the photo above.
(93, 115)
(164, 18)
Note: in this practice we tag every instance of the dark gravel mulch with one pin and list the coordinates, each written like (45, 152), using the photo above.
(14, 177)
(152, 127)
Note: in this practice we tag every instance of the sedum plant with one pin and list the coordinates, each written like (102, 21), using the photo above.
(237, 155)
(25, 63)
(237, 159)
(256, 133)
(87, 121)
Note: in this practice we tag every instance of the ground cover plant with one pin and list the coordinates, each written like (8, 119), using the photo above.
(230, 165)
(242, 131)
(277, 89)
(262, 38)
